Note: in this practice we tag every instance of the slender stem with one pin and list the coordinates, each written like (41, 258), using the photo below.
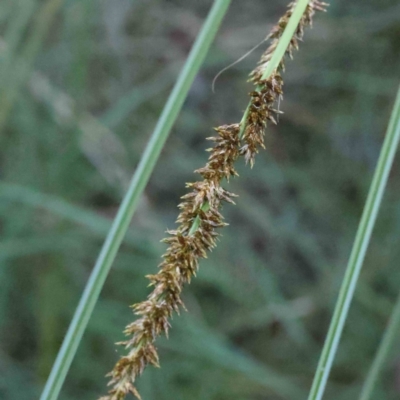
(129, 204)
(286, 38)
(279, 52)
(359, 249)
(390, 336)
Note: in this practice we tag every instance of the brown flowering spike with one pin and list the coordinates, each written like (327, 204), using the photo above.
(261, 110)
(277, 32)
(200, 217)
(268, 92)
(223, 155)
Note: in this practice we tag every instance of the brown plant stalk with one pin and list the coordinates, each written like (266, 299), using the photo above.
(200, 215)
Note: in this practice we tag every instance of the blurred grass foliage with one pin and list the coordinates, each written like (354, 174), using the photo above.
(81, 86)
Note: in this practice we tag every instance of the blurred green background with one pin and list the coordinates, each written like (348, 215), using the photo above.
(82, 84)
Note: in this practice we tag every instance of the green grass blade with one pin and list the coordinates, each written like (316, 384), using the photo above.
(359, 249)
(128, 206)
(389, 338)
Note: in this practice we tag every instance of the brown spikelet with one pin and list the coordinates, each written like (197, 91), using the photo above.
(200, 216)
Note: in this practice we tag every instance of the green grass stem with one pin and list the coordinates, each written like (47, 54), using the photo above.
(280, 50)
(129, 204)
(359, 249)
(389, 338)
